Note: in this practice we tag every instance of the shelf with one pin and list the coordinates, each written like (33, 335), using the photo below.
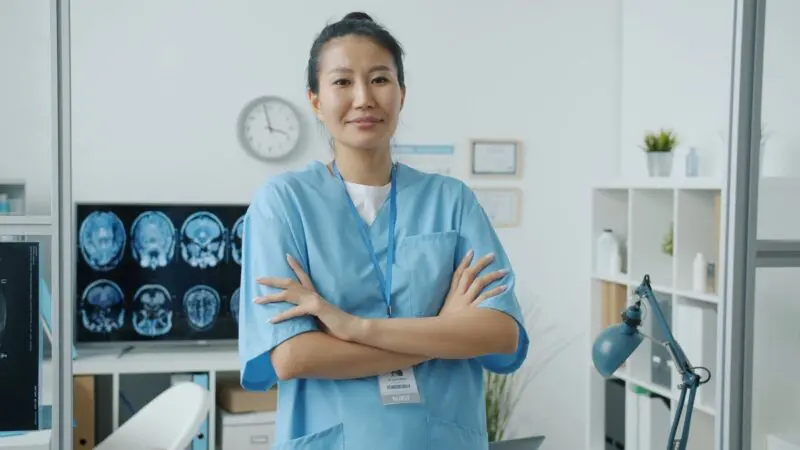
(652, 217)
(162, 360)
(623, 279)
(665, 183)
(642, 213)
(18, 225)
(697, 232)
(660, 390)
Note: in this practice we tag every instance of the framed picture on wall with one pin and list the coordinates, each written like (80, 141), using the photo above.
(496, 157)
(502, 205)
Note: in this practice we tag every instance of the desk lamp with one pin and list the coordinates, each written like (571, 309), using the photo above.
(616, 343)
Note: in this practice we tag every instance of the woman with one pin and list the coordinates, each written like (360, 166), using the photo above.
(370, 355)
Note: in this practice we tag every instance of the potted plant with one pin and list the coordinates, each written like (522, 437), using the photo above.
(666, 243)
(503, 392)
(659, 147)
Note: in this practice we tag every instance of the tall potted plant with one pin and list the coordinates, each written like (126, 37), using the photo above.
(503, 392)
(659, 148)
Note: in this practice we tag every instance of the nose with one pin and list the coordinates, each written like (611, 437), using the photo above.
(363, 98)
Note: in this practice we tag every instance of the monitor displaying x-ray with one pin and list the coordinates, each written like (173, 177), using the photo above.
(157, 272)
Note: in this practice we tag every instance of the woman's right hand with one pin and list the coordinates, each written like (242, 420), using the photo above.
(465, 288)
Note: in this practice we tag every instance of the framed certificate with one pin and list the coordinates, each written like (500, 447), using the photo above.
(502, 205)
(496, 157)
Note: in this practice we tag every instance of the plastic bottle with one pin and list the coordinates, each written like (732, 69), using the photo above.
(699, 273)
(5, 207)
(692, 163)
(606, 246)
(615, 263)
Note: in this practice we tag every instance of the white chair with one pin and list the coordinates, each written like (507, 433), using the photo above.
(169, 422)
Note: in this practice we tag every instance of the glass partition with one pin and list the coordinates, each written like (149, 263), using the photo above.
(760, 387)
(35, 377)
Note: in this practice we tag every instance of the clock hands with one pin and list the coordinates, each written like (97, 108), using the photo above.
(269, 124)
(266, 114)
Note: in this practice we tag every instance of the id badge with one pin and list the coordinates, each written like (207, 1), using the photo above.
(398, 387)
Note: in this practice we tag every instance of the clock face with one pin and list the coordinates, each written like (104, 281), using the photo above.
(269, 128)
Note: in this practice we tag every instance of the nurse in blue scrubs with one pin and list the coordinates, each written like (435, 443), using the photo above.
(373, 294)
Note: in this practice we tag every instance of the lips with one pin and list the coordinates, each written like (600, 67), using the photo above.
(366, 120)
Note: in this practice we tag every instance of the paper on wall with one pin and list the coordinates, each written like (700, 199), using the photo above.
(427, 158)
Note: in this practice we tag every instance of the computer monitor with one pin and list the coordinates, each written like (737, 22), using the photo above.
(157, 272)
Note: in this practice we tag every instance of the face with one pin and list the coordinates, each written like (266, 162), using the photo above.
(359, 98)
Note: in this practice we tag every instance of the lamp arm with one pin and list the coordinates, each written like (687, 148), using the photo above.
(676, 351)
(690, 379)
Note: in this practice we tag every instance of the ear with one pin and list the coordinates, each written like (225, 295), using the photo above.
(313, 100)
(402, 98)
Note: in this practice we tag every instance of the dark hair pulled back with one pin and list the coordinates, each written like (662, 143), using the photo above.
(354, 24)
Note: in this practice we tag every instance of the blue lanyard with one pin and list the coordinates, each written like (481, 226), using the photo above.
(386, 284)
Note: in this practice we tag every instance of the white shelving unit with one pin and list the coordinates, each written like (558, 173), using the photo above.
(15, 193)
(217, 362)
(641, 215)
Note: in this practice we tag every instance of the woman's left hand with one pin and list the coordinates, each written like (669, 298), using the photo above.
(307, 301)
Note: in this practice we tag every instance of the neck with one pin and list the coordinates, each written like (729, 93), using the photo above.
(371, 168)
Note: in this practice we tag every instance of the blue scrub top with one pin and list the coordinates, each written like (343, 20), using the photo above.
(305, 213)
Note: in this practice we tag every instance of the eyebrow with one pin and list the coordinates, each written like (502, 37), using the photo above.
(346, 70)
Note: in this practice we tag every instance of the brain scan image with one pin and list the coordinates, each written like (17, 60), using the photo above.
(102, 308)
(235, 305)
(201, 305)
(102, 240)
(202, 240)
(236, 240)
(153, 239)
(152, 311)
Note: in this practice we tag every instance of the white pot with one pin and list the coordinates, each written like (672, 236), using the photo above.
(659, 164)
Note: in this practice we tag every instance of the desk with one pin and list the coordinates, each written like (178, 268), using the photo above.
(34, 440)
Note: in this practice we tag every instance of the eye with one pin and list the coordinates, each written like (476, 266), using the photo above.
(381, 80)
(341, 82)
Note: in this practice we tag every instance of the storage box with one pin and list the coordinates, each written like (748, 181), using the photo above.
(232, 398)
(245, 431)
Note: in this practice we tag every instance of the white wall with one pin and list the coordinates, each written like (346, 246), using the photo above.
(157, 88)
(676, 70)
(781, 92)
(26, 108)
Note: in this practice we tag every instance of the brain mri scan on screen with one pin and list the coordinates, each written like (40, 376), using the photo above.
(153, 239)
(203, 240)
(102, 240)
(152, 310)
(157, 272)
(236, 240)
(102, 307)
(235, 305)
(201, 305)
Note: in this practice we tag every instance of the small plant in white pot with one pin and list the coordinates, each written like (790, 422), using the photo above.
(659, 147)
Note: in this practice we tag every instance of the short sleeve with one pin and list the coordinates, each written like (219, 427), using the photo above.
(267, 238)
(478, 234)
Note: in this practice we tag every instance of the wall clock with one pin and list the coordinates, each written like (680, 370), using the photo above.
(269, 128)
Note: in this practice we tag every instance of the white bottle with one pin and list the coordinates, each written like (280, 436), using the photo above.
(606, 246)
(699, 273)
(615, 264)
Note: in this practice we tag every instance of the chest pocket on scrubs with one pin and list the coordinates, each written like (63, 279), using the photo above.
(428, 260)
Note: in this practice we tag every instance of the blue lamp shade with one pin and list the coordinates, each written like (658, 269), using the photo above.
(613, 346)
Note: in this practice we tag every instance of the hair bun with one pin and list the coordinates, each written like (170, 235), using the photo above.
(357, 15)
